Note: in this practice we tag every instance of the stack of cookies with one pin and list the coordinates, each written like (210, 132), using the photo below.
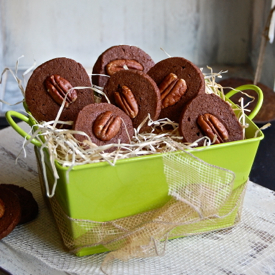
(134, 87)
(17, 206)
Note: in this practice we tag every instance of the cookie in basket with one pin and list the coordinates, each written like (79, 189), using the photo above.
(179, 80)
(115, 58)
(209, 115)
(28, 205)
(48, 85)
(105, 124)
(136, 93)
(11, 211)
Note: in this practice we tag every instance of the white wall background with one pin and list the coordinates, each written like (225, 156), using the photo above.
(204, 31)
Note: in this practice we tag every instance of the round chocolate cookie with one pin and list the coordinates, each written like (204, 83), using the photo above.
(105, 124)
(179, 80)
(29, 206)
(207, 115)
(136, 94)
(12, 213)
(48, 85)
(114, 58)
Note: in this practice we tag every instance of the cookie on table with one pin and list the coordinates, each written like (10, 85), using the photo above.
(105, 124)
(29, 206)
(12, 211)
(114, 58)
(179, 80)
(206, 115)
(135, 93)
(48, 85)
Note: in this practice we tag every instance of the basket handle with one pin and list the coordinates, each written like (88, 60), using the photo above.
(9, 116)
(249, 87)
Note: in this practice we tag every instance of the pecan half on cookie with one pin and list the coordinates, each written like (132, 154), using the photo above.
(118, 58)
(182, 80)
(209, 115)
(60, 90)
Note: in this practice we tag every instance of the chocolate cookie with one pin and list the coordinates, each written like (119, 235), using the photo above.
(48, 85)
(105, 124)
(114, 58)
(29, 206)
(136, 94)
(179, 80)
(12, 212)
(207, 115)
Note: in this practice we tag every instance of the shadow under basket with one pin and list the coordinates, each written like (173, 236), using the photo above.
(91, 194)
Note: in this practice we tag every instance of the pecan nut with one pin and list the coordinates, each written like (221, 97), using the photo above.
(2, 208)
(119, 64)
(58, 87)
(171, 90)
(212, 127)
(106, 126)
(126, 101)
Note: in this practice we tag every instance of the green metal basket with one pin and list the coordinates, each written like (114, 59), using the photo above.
(100, 192)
